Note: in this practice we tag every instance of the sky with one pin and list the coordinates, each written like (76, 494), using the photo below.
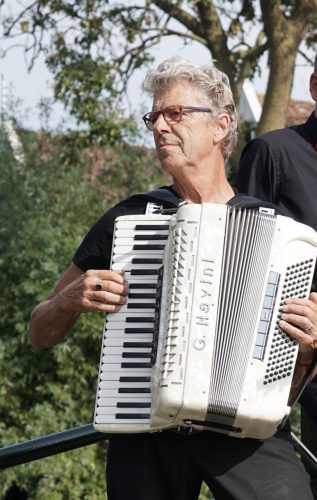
(29, 87)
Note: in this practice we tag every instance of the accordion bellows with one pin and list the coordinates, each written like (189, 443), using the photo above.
(198, 344)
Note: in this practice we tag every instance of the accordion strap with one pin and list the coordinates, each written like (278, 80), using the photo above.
(166, 196)
(161, 200)
(246, 201)
(169, 199)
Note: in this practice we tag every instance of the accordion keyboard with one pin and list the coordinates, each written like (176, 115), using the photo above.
(128, 351)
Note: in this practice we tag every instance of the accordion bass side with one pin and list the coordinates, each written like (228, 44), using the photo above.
(198, 344)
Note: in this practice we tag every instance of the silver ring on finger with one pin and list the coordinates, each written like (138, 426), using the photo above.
(98, 286)
(309, 328)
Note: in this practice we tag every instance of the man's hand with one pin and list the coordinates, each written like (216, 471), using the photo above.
(76, 292)
(95, 290)
(299, 319)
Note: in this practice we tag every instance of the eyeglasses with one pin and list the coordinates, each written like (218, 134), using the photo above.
(171, 114)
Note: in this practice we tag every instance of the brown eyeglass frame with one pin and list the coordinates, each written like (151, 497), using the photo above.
(151, 117)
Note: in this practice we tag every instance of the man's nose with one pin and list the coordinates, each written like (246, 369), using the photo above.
(160, 125)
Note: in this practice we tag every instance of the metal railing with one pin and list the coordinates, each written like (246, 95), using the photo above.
(46, 446)
(53, 444)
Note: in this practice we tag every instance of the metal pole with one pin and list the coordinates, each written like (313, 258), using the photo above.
(46, 446)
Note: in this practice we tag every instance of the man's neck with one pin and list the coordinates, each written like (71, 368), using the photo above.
(204, 191)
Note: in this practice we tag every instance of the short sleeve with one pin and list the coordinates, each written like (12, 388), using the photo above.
(95, 250)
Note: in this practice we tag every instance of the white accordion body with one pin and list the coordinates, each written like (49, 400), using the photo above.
(200, 346)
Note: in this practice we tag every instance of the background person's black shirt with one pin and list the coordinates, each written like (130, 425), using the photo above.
(281, 167)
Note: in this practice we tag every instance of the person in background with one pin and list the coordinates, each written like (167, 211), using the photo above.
(193, 121)
(281, 167)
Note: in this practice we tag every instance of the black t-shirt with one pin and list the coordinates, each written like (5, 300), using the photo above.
(95, 250)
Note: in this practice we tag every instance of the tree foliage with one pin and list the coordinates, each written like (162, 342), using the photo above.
(93, 47)
(47, 205)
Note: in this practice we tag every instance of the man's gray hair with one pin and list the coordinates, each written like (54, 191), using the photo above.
(315, 64)
(213, 84)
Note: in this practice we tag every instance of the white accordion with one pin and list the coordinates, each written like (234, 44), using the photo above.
(198, 343)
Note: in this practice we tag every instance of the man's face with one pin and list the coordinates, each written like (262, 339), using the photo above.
(189, 142)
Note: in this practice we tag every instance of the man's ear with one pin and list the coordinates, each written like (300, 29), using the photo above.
(313, 86)
(222, 124)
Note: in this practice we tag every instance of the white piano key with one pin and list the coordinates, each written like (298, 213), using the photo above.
(150, 300)
(133, 337)
(136, 291)
(134, 393)
(123, 242)
(122, 325)
(140, 310)
(110, 419)
(114, 393)
(116, 384)
(147, 280)
(130, 257)
(119, 375)
(107, 367)
(128, 266)
(131, 232)
(118, 358)
(116, 335)
(113, 401)
(127, 249)
(120, 224)
(112, 410)
(118, 350)
(116, 340)
(119, 316)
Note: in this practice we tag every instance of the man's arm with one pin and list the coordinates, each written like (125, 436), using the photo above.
(75, 293)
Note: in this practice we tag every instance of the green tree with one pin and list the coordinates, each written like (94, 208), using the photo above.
(47, 205)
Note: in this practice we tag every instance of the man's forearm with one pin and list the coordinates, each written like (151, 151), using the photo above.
(49, 323)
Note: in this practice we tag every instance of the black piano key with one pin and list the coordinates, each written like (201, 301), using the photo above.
(148, 247)
(133, 405)
(144, 260)
(144, 272)
(136, 354)
(138, 319)
(151, 227)
(131, 416)
(139, 330)
(134, 286)
(134, 379)
(134, 390)
(137, 344)
(136, 365)
(142, 295)
(138, 237)
(140, 305)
